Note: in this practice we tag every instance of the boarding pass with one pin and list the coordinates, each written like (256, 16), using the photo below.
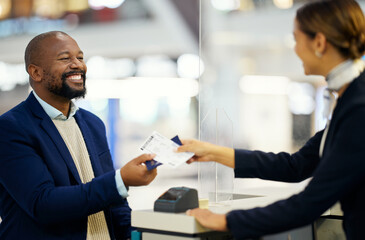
(165, 150)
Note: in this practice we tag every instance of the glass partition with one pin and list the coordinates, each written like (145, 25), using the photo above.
(253, 92)
(216, 180)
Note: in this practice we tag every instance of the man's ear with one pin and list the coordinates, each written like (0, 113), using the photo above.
(320, 43)
(35, 72)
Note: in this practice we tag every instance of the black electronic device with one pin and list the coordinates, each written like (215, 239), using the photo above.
(177, 199)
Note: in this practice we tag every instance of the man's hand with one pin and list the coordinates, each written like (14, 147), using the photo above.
(134, 173)
(206, 218)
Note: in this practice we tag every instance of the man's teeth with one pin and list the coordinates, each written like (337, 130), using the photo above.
(74, 77)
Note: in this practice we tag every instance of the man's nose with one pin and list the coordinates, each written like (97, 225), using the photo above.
(77, 63)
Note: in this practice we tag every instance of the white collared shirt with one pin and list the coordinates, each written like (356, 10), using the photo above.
(54, 113)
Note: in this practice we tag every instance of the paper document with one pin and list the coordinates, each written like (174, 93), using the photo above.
(164, 149)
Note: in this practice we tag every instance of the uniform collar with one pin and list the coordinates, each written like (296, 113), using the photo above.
(344, 73)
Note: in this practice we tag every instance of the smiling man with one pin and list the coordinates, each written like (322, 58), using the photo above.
(57, 179)
(56, 69)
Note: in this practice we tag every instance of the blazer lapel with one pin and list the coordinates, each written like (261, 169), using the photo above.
(89, 144)
(51, 130)
(53, 133)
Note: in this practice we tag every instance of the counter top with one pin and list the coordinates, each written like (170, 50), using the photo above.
(181, 223)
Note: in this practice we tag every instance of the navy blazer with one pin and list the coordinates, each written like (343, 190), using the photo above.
(338, 176)
(41, 194)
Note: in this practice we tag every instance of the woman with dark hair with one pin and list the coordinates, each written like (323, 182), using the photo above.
(330, 40)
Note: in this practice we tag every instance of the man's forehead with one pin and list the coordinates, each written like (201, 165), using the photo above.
(60, 44)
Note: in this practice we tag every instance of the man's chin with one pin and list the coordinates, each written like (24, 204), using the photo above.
(73, 94)
(79, 94)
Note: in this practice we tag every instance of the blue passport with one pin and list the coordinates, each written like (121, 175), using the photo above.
(152, 164)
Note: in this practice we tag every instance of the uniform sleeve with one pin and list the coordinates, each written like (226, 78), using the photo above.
(282, 166)
(340, 173)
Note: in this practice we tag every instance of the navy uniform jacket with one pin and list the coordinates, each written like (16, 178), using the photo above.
(338, 176)
(41, 194)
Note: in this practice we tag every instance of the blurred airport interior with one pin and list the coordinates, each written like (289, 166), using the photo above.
(223, 71)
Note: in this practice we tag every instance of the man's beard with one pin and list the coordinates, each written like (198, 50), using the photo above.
(65, 90)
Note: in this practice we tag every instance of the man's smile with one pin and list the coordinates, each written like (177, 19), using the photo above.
(76, 78)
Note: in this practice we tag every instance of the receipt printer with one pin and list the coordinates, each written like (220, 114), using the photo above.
(177, 199)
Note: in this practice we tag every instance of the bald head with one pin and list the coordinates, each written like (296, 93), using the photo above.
(34, 49)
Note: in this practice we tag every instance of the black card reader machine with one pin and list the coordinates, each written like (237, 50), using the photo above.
(177, 199)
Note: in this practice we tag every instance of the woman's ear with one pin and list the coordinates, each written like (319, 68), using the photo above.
(35, 72)
(320, 43)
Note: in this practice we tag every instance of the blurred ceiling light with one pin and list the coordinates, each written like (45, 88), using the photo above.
(76, 6)
(96, 4)
(156, 66)
(266, 85)
(226, 5)
(190, 66)
(106, 68)
(113, 3)
(100, 4)
(138, 110)
(283, 4)
(141, 87)
(5, 7)
(49, 8)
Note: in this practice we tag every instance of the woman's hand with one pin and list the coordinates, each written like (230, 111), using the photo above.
(206, 218)
(204, 151)
(207, 152)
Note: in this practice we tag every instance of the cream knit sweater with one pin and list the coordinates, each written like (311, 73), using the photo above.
(97, 228)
